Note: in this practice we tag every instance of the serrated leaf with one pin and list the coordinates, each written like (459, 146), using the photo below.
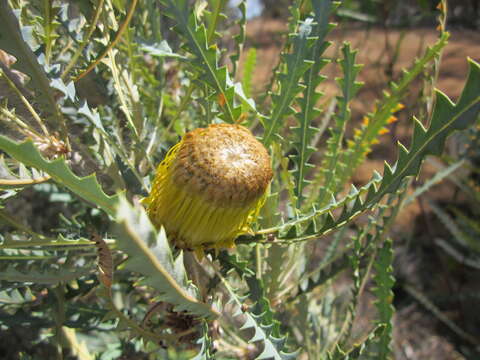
(206, 342)
(150, 255)
(297, 63)
(358, 350)
(16, 296)
(367, 135)
(206, 59)
(273, 347)
(446, 118)
(51, 276)
(161, 49)
(87, 187)
(304, 132)
(463, 238)
(10, 179)
(439, 315)
(438, 177)
(12, 41)
(260, 316)
(384, 282)
(214, 16)
(240, 40)
(331, 162)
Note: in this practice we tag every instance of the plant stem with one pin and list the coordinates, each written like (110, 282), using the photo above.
(258, 255)
(27, 104)
(47, 26)
(112, 44)
(91, 29)
(183, 105)
(59, 316)
(145, 333)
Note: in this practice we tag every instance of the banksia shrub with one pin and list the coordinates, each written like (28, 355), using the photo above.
(210, 187)
(107, 84)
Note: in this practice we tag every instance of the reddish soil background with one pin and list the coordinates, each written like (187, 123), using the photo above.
(418, 334)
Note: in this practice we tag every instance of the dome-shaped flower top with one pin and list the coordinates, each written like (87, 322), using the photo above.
(210, 186)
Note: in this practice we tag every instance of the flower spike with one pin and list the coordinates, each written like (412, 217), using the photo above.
(210, 187)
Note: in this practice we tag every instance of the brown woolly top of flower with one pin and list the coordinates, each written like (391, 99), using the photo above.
(224, 163)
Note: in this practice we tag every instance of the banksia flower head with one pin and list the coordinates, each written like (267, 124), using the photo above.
(210, 187)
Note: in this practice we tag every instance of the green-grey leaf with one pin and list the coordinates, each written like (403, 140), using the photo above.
(304, 132)
(44, 277)
(206, 58)
(297, 63)
(150, 255)
(160, 50)
(447, 117)
(87, 187)
(12, 41)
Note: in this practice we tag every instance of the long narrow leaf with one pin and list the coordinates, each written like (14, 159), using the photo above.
(297, 62)
(304, 132)
(87, 187)
(150, 255)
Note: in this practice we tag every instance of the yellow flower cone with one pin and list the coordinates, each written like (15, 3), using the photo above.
(210, 187)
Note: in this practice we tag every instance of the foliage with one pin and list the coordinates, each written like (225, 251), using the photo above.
(95, 99)
(457, 238)
(459, 220)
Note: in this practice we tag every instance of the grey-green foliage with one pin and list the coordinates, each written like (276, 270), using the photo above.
(358, 350)
(460, 221)
(12, 40)
(240, 37)
(305, 131)
(149, 254)
(15, 295)
(383, 290)
(50, 277)
(205, 352)
(349, 87)
(259, 317)
(206, 59)
(18, 178)
(296, 64)
(86, 187)
(361, 144)
(25, 273)
(446, 118)
(276, 294)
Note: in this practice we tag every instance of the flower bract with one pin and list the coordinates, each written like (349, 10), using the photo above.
(210, 187)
